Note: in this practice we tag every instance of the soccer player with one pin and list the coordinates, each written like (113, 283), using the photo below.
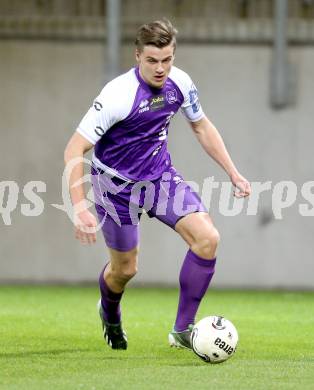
(127, 125)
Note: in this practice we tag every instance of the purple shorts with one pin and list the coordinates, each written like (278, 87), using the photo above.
(120, 204)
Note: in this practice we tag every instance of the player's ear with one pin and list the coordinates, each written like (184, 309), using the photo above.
(137, 55)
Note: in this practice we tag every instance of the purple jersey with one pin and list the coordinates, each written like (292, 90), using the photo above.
(128, 123)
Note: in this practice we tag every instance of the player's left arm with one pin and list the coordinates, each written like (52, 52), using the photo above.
(213, 144)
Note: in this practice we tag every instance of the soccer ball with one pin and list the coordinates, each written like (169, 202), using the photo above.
(214, 339)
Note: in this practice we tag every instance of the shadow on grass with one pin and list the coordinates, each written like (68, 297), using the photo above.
(25, 354)
(119, 356)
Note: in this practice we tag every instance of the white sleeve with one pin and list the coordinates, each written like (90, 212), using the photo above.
(191, 107)
(99, 118)
(109, 108)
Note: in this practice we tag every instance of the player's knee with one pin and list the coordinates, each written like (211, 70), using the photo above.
(215, 237)
(129, 271)
(126, 268)
(206, 245)
(125, 275)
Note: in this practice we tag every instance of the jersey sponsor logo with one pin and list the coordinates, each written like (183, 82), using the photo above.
(99, 131)
(97, 105)
(157, 103)
(144, 106)
(171, 96)
(193, 94)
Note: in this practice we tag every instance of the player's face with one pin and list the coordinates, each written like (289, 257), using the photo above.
(155, 64)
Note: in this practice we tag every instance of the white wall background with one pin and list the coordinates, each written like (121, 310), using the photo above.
(47, 87)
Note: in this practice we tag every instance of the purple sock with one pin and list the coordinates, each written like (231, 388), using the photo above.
(195, 276)
(110, 301)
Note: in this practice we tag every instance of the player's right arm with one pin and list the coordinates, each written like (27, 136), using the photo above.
(110, 107)
(84, 221)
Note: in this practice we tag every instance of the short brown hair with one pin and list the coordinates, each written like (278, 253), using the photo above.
(159, 33)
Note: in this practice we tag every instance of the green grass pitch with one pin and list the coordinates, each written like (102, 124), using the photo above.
(50, 338)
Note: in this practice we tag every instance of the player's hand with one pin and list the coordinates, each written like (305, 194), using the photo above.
(85, 225)
(242, 186)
